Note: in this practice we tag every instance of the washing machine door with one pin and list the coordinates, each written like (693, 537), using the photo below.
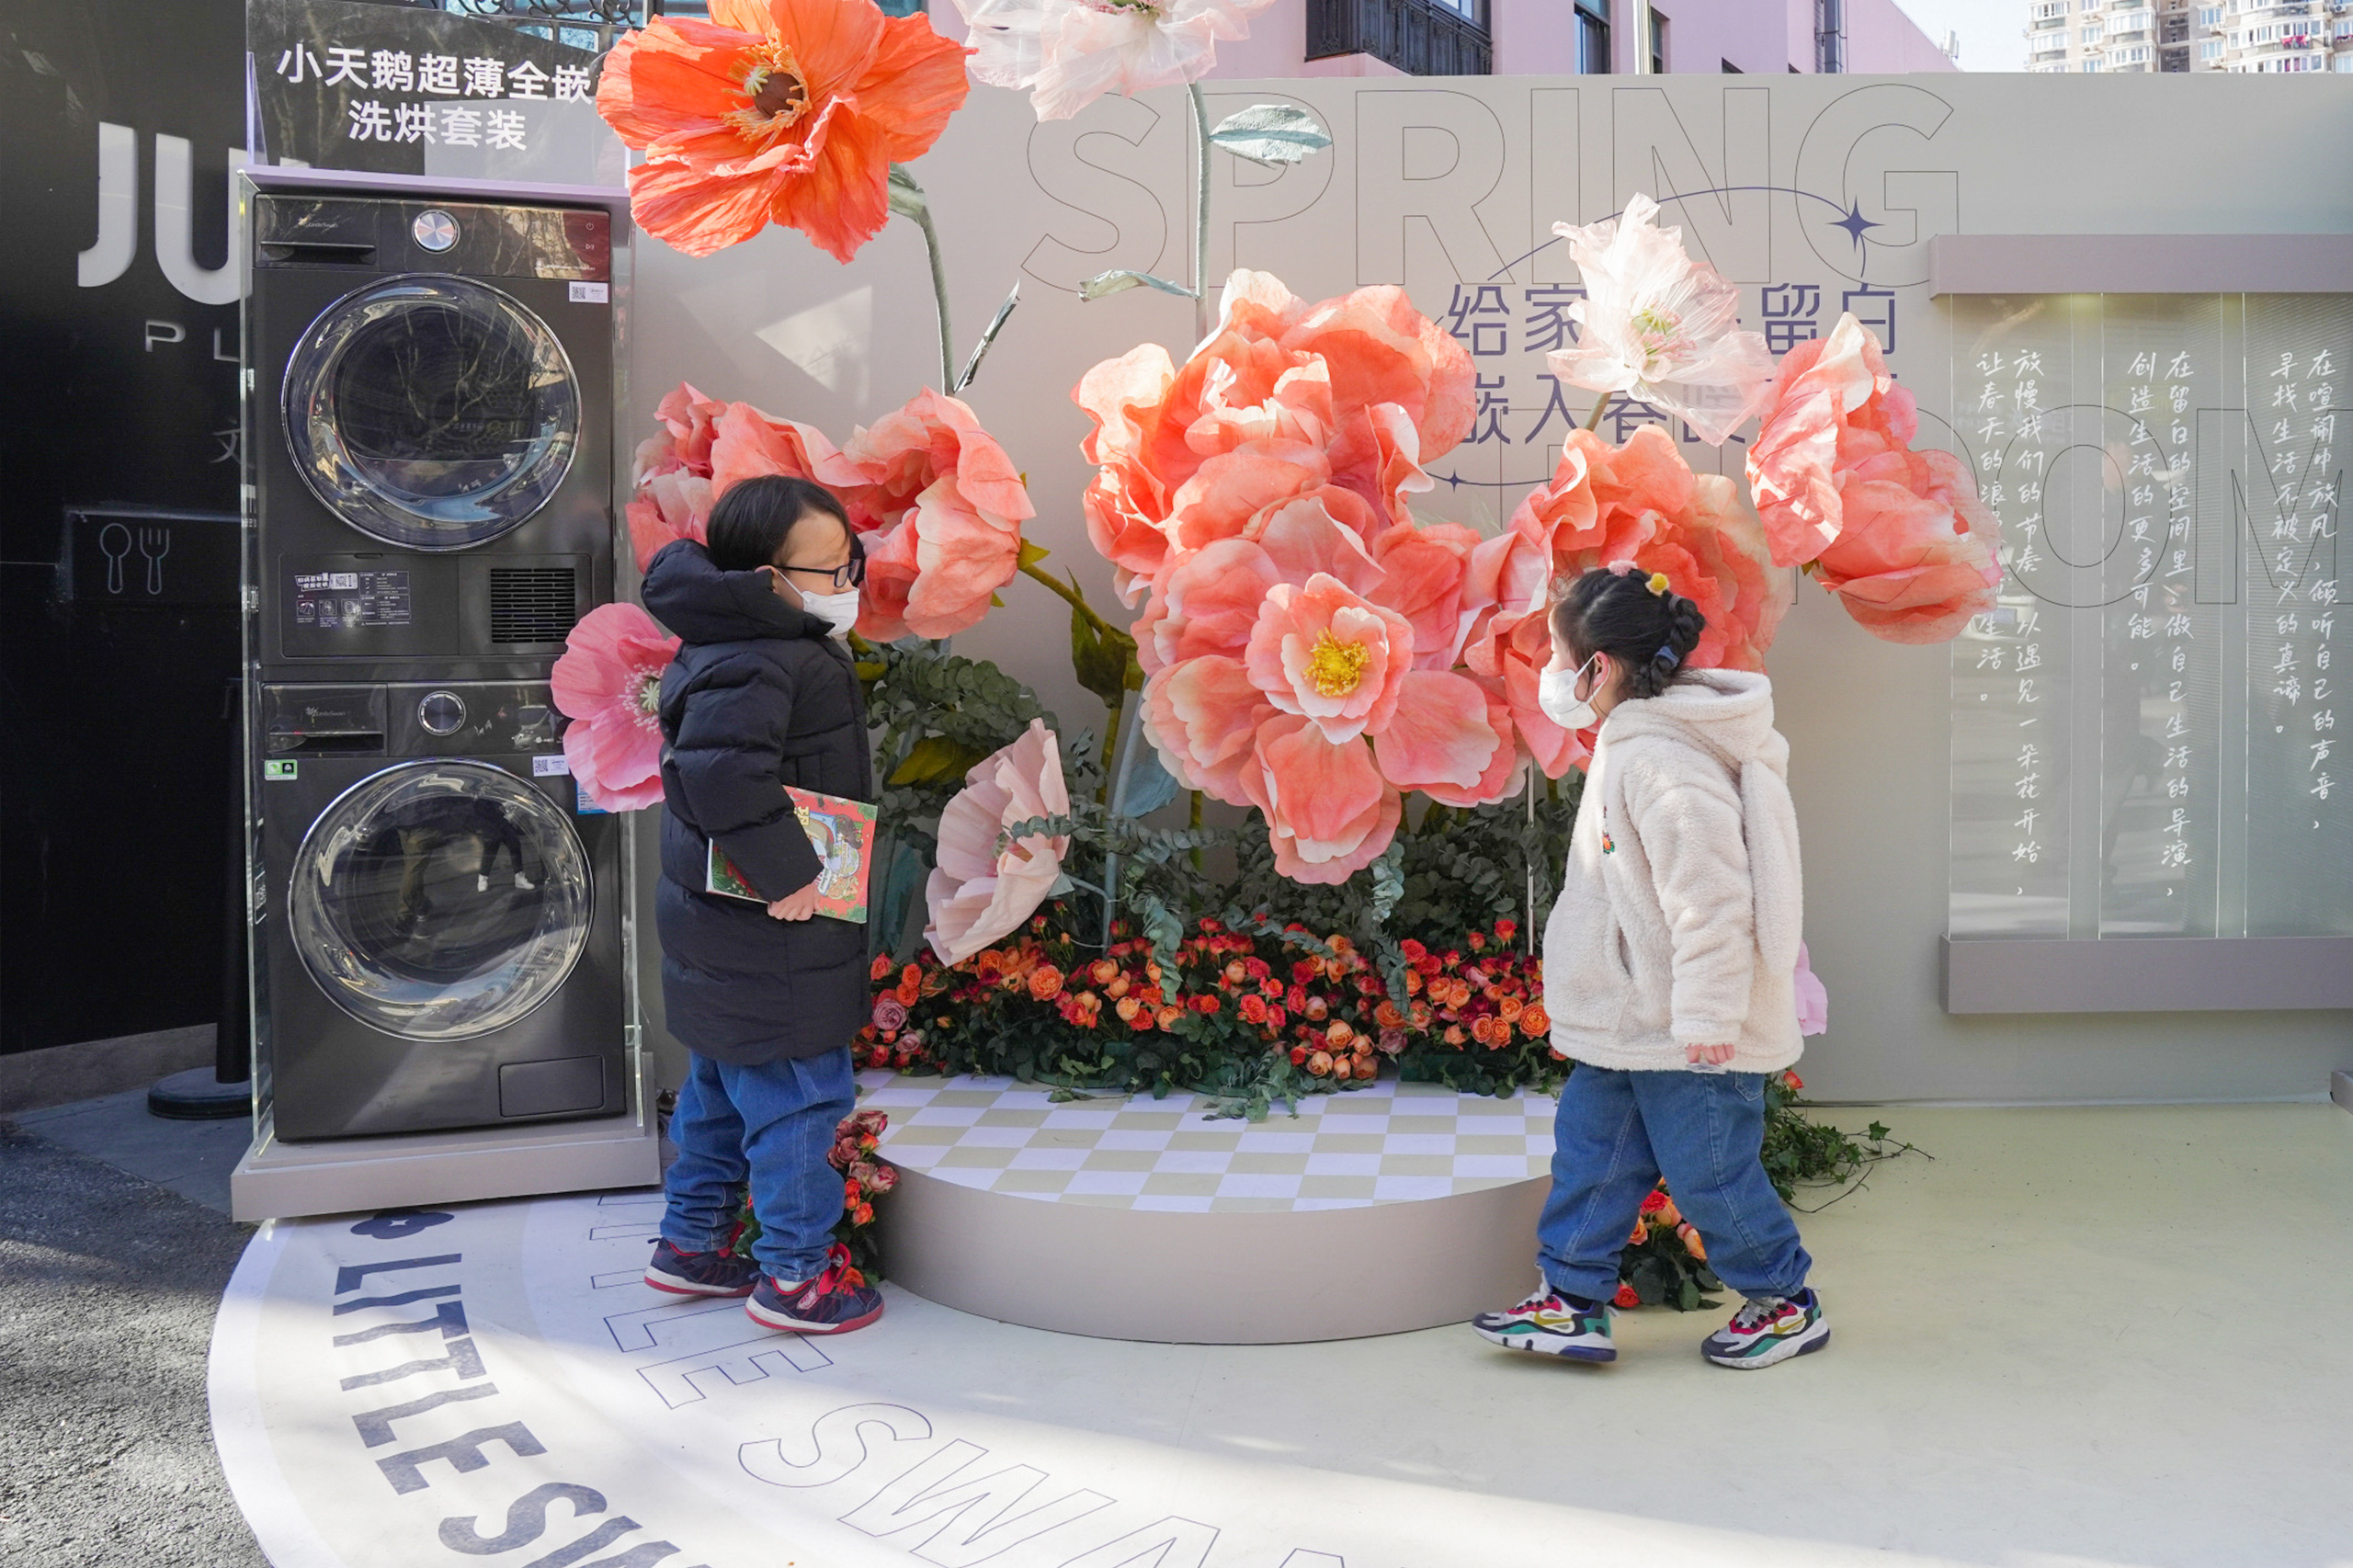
(439, 901)
(431, 412)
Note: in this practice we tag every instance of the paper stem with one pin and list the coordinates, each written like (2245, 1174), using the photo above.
(1599, 409)
(938, 297)
(1068, 595)
(1200, 213)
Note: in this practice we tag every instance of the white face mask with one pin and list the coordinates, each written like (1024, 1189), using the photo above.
(839, 611)
(1556, 694)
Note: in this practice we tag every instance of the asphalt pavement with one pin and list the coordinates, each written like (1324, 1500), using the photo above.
(109, 1285)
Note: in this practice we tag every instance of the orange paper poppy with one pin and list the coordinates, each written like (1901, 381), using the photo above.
(783, 111)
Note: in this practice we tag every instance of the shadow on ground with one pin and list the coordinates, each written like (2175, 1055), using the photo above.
(107, 1289)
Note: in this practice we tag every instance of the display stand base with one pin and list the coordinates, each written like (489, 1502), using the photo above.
(278, 1180)
(199, 1094)
(2340, 1089)
(1378, 1210)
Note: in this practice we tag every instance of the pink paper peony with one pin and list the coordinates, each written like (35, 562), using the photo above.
(1067, 53)
(979, 892)
(1329, 813)
(608, 682)
(1812, 997)
(1833, 406)
(1917, 558)
(1323, 652)
(1659, 326)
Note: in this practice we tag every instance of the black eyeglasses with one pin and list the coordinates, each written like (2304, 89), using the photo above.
(850, 576)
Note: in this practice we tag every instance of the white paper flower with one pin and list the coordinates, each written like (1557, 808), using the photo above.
(1067, 53)
(1659, 326)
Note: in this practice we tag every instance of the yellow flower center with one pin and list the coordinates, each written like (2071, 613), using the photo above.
(777, 92)
(1335, 668)
(1656, 328)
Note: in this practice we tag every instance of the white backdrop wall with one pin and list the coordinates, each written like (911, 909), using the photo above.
(1447, 185)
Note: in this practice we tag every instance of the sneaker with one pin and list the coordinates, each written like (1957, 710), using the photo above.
(1768, 1329)
(828, 1304)
(1551, 1324)
(701, 1273)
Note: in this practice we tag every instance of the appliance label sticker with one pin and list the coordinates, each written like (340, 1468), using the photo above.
(334, 601)
(556, 766)
(278, 771)
(592, 293)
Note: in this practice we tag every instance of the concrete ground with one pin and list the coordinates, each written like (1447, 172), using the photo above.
(109, 1283)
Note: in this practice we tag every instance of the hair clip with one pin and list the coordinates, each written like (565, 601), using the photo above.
(1657, 583)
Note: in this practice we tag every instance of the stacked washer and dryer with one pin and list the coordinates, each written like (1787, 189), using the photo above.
(429, 391)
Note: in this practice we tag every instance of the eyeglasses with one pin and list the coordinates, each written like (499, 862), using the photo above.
(850, 576)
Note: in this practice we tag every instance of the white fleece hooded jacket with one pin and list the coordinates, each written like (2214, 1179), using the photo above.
(1680, 916)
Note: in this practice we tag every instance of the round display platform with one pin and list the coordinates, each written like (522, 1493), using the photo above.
(1375, 1210)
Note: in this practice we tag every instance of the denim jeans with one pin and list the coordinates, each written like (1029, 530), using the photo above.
(1618, 1133)
(770, 1127)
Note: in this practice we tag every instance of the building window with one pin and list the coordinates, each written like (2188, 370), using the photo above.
(2210, 49)
(1658, 44)
(1829, 36)
(2091, 65)
(2089, 36)
(1592, 38)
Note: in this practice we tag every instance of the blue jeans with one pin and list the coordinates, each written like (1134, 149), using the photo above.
(769, 1128)
(1618, 1133)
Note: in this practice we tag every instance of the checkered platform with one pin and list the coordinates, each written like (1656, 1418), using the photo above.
(1388, 1142)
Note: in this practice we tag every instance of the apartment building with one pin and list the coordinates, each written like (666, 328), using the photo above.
(2288, 37)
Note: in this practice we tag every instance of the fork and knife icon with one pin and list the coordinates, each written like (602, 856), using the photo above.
(115, 541)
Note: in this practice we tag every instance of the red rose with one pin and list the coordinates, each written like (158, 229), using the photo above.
(1414, 952)
(1254, 1009)
(1626, 1298)
(1653, 1200)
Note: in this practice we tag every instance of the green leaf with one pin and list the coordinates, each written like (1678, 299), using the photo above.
(1121, 280)
(1271, 134)
(907, 197)
(934, 759)
(1033, 553)
(1101, 659)
(1876, 1132)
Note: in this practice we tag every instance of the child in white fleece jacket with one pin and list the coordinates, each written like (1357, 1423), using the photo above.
(1667, 970)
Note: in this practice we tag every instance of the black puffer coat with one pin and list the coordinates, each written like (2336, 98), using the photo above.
(758, 697)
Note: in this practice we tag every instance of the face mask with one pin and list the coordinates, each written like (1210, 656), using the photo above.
(839, 611)
(1556, 694)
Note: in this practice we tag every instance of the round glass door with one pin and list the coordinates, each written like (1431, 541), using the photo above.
(439, 900)
(431, 413)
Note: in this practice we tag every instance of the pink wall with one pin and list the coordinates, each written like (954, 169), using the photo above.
(1532, 38)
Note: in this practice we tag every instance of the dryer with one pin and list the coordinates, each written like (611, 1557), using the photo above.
(429, 382)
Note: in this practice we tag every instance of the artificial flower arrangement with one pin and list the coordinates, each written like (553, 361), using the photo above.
(1357, 683)
(866, 1175)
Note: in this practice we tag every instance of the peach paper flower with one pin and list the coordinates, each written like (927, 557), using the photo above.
(1812, 997)
(783, 111)
(1900, 536)
(608, 683)
(1659, 326)
(978, 891)
(939, 502)
(1067, 53)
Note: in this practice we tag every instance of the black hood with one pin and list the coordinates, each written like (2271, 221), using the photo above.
(701, 603)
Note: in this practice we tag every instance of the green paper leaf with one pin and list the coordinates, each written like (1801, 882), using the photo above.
(934, 759)
(980, 350)
(1033, 553)
(1271, 134)
(1102, 659)
(1121, 280)
(908, 198)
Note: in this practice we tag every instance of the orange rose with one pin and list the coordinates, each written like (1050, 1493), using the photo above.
(1642, 1233)
(1127, 1007)
(1534, 1021)
(1339, 1034)
(1319, 1063)
(1692, 1244)
(1103, 971)
(1453, 1035)
(1166, 1017)
(1045, 983)
(1388, 1017)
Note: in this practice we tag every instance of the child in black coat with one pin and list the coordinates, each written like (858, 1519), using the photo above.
(762, 695)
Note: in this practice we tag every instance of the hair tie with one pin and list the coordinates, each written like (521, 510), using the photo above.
(1658, 585)
(1667, 652)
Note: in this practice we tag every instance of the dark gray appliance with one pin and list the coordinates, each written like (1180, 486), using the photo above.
(443, 947)
(429, 387)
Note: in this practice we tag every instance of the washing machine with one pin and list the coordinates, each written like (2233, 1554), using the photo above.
(429, 390)
(444, 949)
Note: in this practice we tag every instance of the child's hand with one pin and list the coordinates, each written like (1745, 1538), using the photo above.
(1714, 1055)
(802, 904)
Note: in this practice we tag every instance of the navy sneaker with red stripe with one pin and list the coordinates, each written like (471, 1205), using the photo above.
(838, 1301)
(701, 1273)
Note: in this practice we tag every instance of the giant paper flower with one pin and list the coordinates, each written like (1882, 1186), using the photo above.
(1285, 678)
(1067, 53)
(776, 111)
(608, 683)
(1283, 399)
(1812, 997)
(1659, 326)
(980, 892)
(1917, 558)
(939, 503)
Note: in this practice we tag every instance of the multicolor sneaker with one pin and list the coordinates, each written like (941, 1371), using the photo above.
(1551, 1324)
(701, 1273)
(1768, 1329)
(838, 1301)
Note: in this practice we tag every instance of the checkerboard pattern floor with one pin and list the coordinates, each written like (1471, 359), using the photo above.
(1389, 1142)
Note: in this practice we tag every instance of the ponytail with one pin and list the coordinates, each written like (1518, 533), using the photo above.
(1647, 629)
